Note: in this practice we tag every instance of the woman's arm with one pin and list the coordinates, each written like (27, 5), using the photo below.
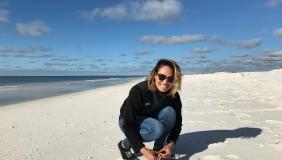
(149, 154)
(175, 132)
(132, 104)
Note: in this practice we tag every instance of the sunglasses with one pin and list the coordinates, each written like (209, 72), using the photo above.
(162, 77)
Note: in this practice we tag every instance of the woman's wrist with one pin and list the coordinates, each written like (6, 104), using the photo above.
(143, 150)
(171, 142)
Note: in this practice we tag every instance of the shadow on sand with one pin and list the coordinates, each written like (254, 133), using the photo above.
(189, 144)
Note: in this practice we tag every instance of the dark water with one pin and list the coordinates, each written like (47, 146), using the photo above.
(15, 89)
(12, 80)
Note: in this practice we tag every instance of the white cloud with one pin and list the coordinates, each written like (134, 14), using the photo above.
(31, 49)
(154, 10)
(90, 15)
(149, 10)
(274, 54)
(241, 55)
(273, 3)
(155, 39)
(247, 44)
(34, 28)
(203, 50)
(278, 33)
(4, 15)
(244, 44)
(30, 52)
(116, 12)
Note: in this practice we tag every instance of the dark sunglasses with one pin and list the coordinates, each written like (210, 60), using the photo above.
(162, 77)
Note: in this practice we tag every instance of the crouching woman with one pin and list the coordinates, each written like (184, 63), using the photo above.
(152, 112)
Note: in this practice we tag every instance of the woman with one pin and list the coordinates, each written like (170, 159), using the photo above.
(152, 112)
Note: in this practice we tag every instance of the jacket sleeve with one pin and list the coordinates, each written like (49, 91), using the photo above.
(175, 132)
(133, 102)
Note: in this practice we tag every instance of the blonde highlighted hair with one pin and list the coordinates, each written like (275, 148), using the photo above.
(176, 86)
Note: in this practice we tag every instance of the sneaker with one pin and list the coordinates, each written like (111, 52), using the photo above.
(126, 153)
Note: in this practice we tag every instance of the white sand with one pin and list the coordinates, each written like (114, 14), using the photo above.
(83, 125)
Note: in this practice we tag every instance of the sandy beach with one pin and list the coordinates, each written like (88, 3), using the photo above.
(226, 116)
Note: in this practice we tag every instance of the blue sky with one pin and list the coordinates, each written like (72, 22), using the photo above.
(128, 37)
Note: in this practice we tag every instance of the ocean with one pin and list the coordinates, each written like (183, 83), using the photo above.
(15, 89)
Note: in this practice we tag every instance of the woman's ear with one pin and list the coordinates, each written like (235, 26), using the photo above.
(155, 76)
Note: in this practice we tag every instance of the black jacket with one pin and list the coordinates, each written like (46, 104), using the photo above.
(142, 102)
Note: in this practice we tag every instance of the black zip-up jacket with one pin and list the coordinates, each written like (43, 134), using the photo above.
(142, 102)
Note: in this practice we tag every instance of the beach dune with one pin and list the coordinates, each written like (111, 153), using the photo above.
(226, 116)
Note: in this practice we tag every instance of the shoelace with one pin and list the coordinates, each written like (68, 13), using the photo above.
(128, 154)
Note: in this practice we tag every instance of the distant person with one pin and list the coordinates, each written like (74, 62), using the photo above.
(152, 112)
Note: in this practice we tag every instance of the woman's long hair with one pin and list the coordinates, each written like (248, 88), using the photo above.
(176, 84)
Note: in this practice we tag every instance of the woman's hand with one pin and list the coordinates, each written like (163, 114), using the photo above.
(166, 151)
(149, 154)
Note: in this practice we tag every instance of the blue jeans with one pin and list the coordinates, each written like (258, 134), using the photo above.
(154, 129)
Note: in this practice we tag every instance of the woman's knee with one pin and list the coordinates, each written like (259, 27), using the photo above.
(169, 111)
(154, 129)
(167, 116)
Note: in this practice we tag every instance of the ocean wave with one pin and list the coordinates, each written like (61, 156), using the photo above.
(8, 88)
(101, 80)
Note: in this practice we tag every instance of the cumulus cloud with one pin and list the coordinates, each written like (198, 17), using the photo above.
(33, 29)
(271, 59)
(278, 33)
(115, 12)
(273, 3)
(156, 10)
(155, 39)
(244, 44)
(149, 10)
(33, 51)
(247, 44)
(266, 61)
(242, 55)
(203, 50)
(274, 55)
(241, 62)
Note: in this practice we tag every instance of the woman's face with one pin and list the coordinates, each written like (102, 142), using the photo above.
(166, 84)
